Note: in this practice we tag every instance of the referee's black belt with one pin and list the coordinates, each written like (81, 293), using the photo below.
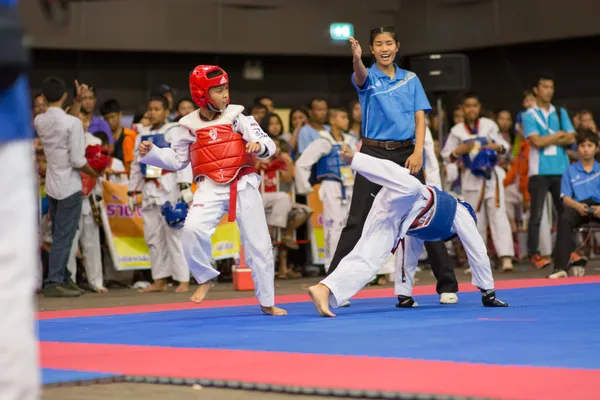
(388, 145)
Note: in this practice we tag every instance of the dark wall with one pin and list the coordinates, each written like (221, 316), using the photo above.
(498, 74)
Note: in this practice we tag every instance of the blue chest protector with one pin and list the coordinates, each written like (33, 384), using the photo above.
(159, 141)
(483, 162)
(329, 167)
(440, 225)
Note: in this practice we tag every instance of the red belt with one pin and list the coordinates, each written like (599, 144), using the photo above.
(233, 191)
(424, 211)
(415, 223)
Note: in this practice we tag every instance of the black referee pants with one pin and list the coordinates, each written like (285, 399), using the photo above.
(363, 196)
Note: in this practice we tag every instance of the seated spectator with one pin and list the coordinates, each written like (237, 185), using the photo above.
(266, 101)
(123, 138)
(580, 192)
(298, 118)
(278, 174)
(272, 125)
(258, 111)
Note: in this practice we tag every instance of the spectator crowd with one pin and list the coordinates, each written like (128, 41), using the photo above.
(544, 185)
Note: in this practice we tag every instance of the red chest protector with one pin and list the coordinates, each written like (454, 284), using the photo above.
(219, 153)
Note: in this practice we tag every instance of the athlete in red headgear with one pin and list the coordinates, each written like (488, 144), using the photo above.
(220, 143)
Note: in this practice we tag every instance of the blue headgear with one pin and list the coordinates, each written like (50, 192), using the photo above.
(175, 214)
(484, 162)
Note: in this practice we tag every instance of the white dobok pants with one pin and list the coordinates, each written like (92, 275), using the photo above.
(201, 223)
(164, 244)
(335, 215)
(277, 208)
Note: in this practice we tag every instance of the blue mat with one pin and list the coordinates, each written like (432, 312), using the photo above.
(51, 376)
(546, 326)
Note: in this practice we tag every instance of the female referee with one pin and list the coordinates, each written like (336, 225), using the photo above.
(393, 128)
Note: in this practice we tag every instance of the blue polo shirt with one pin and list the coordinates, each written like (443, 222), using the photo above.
(551, 160)
(389, 105)
(306, 135)
(581, 185)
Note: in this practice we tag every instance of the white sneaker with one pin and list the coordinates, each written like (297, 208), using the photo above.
(558, 274)
(448, 298)
(507, 264)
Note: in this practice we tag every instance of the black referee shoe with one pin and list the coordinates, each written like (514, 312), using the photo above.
(406, 302)
(488, 298)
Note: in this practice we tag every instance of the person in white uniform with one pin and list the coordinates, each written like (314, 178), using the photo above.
(483, 187)
(336, 177)
(159, 186)
(87, 238)
(404, 215)
(220, 144)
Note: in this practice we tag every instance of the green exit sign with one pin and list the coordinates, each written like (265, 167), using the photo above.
(341, 31)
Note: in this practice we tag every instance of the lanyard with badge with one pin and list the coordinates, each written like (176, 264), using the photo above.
(551, 150)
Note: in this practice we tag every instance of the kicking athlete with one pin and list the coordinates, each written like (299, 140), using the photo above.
(405, 214)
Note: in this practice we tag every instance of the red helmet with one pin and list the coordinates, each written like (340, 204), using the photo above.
(97, 156)
(202, 78)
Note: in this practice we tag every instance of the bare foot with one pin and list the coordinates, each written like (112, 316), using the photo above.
(183, 287)
(320, 296)
(276, 311)
(159, 285)
(101, 290)
(201, 292)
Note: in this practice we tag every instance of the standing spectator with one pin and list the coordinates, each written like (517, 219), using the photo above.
(258, 111)
(317, 112)
(586, 120)
(266, 101)
(335, 177)
(527, 102)
(580, 192)
(140, 120)
(40, 105)
(64, 145)
(183, 107)
(504, 122)
(84, 106)
(167, 92)
(394, 130)
(484, 193)
(123, 138)
(458, 116)
(547, 133)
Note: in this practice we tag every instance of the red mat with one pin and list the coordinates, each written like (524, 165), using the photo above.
(296, 298)
(326, 371)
